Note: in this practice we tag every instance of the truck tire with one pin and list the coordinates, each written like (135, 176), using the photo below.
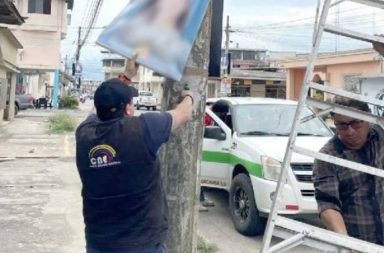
(154, 108)
(245, 215)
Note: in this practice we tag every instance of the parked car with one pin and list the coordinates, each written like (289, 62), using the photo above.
(145, 99)
(243, 151)
(23, 102)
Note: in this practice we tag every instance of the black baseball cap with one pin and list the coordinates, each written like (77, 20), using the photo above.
(114, 92)
(110, 98)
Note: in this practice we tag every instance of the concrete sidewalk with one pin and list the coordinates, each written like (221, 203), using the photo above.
(40, 202)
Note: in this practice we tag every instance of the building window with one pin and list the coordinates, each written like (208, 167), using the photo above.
(275, 92)
(118, 63)
(39, 6)
(235, 55)
(106, 63)
(248, 55)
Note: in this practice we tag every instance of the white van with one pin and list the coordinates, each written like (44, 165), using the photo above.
(243, 151)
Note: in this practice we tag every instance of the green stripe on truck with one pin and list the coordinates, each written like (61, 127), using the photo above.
(219, 157)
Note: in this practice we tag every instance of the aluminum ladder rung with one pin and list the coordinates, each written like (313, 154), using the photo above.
(289, 243)
(339, 161)
(353, 34)
(347, 94)
(307, 241)
(366, 116)
(326, 236)
(373, 3)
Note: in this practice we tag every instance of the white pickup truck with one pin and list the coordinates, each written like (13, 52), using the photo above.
(145, 99)
(243, 150)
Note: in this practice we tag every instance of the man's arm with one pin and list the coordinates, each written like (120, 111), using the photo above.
(326, 185)
(333, 221)
(131, 67)
(183, 111)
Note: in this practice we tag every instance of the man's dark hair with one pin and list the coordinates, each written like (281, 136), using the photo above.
(107, 113)
(220, 107)
(347, 102)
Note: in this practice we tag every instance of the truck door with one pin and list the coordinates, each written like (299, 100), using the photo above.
(215, 164)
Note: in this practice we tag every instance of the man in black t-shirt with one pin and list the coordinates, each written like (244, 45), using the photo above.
(124, 205)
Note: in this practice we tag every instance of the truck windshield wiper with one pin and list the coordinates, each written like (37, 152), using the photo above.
(262, 133)
(309, 134)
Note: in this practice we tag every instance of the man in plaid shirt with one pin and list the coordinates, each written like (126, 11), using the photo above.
(351, 202)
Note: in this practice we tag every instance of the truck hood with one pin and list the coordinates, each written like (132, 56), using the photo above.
(275, 147)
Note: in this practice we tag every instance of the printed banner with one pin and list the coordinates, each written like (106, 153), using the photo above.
(160, 32)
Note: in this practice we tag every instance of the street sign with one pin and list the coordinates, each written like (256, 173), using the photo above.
(225, 86)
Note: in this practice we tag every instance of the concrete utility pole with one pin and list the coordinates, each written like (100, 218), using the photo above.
(79, 45)
(180, 157)
(227, 37)
(226, 79)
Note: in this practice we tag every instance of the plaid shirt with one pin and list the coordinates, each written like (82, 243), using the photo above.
(358, 196)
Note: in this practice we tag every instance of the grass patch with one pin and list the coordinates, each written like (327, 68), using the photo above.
(205, 247)
(68, 102)
(61, 123)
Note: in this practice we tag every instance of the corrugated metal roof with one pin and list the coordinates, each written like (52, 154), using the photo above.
(257, 75)
(253, 100)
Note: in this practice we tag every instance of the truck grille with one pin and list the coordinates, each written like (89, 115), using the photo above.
(303, 172)
(308, 193)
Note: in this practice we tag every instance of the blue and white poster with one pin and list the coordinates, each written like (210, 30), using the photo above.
(160, 32)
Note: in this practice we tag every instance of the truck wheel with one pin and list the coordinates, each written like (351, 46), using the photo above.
(154, 108)
(148, 108)
(245, 215)
(137, 106)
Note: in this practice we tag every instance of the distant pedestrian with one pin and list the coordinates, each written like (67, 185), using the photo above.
(124, 205)
(204, 201)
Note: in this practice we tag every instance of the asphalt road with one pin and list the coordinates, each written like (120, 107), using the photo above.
(217, 227)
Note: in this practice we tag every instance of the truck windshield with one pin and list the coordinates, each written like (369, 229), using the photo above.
(275, 120)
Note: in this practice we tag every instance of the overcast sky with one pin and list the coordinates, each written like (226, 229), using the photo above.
(277, 25)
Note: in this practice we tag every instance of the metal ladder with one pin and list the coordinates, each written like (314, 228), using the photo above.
(297, 233)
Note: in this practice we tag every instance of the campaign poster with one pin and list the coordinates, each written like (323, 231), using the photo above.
(160, 32)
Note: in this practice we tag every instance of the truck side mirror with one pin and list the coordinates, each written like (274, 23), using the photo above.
(214, 132)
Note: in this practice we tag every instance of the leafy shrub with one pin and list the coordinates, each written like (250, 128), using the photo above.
(61, 122)
(68, 102)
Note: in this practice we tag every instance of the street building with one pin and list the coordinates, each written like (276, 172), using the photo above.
(145, 80)
(9, 47)
(252, 73)
(357, 71)
(39, 60)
